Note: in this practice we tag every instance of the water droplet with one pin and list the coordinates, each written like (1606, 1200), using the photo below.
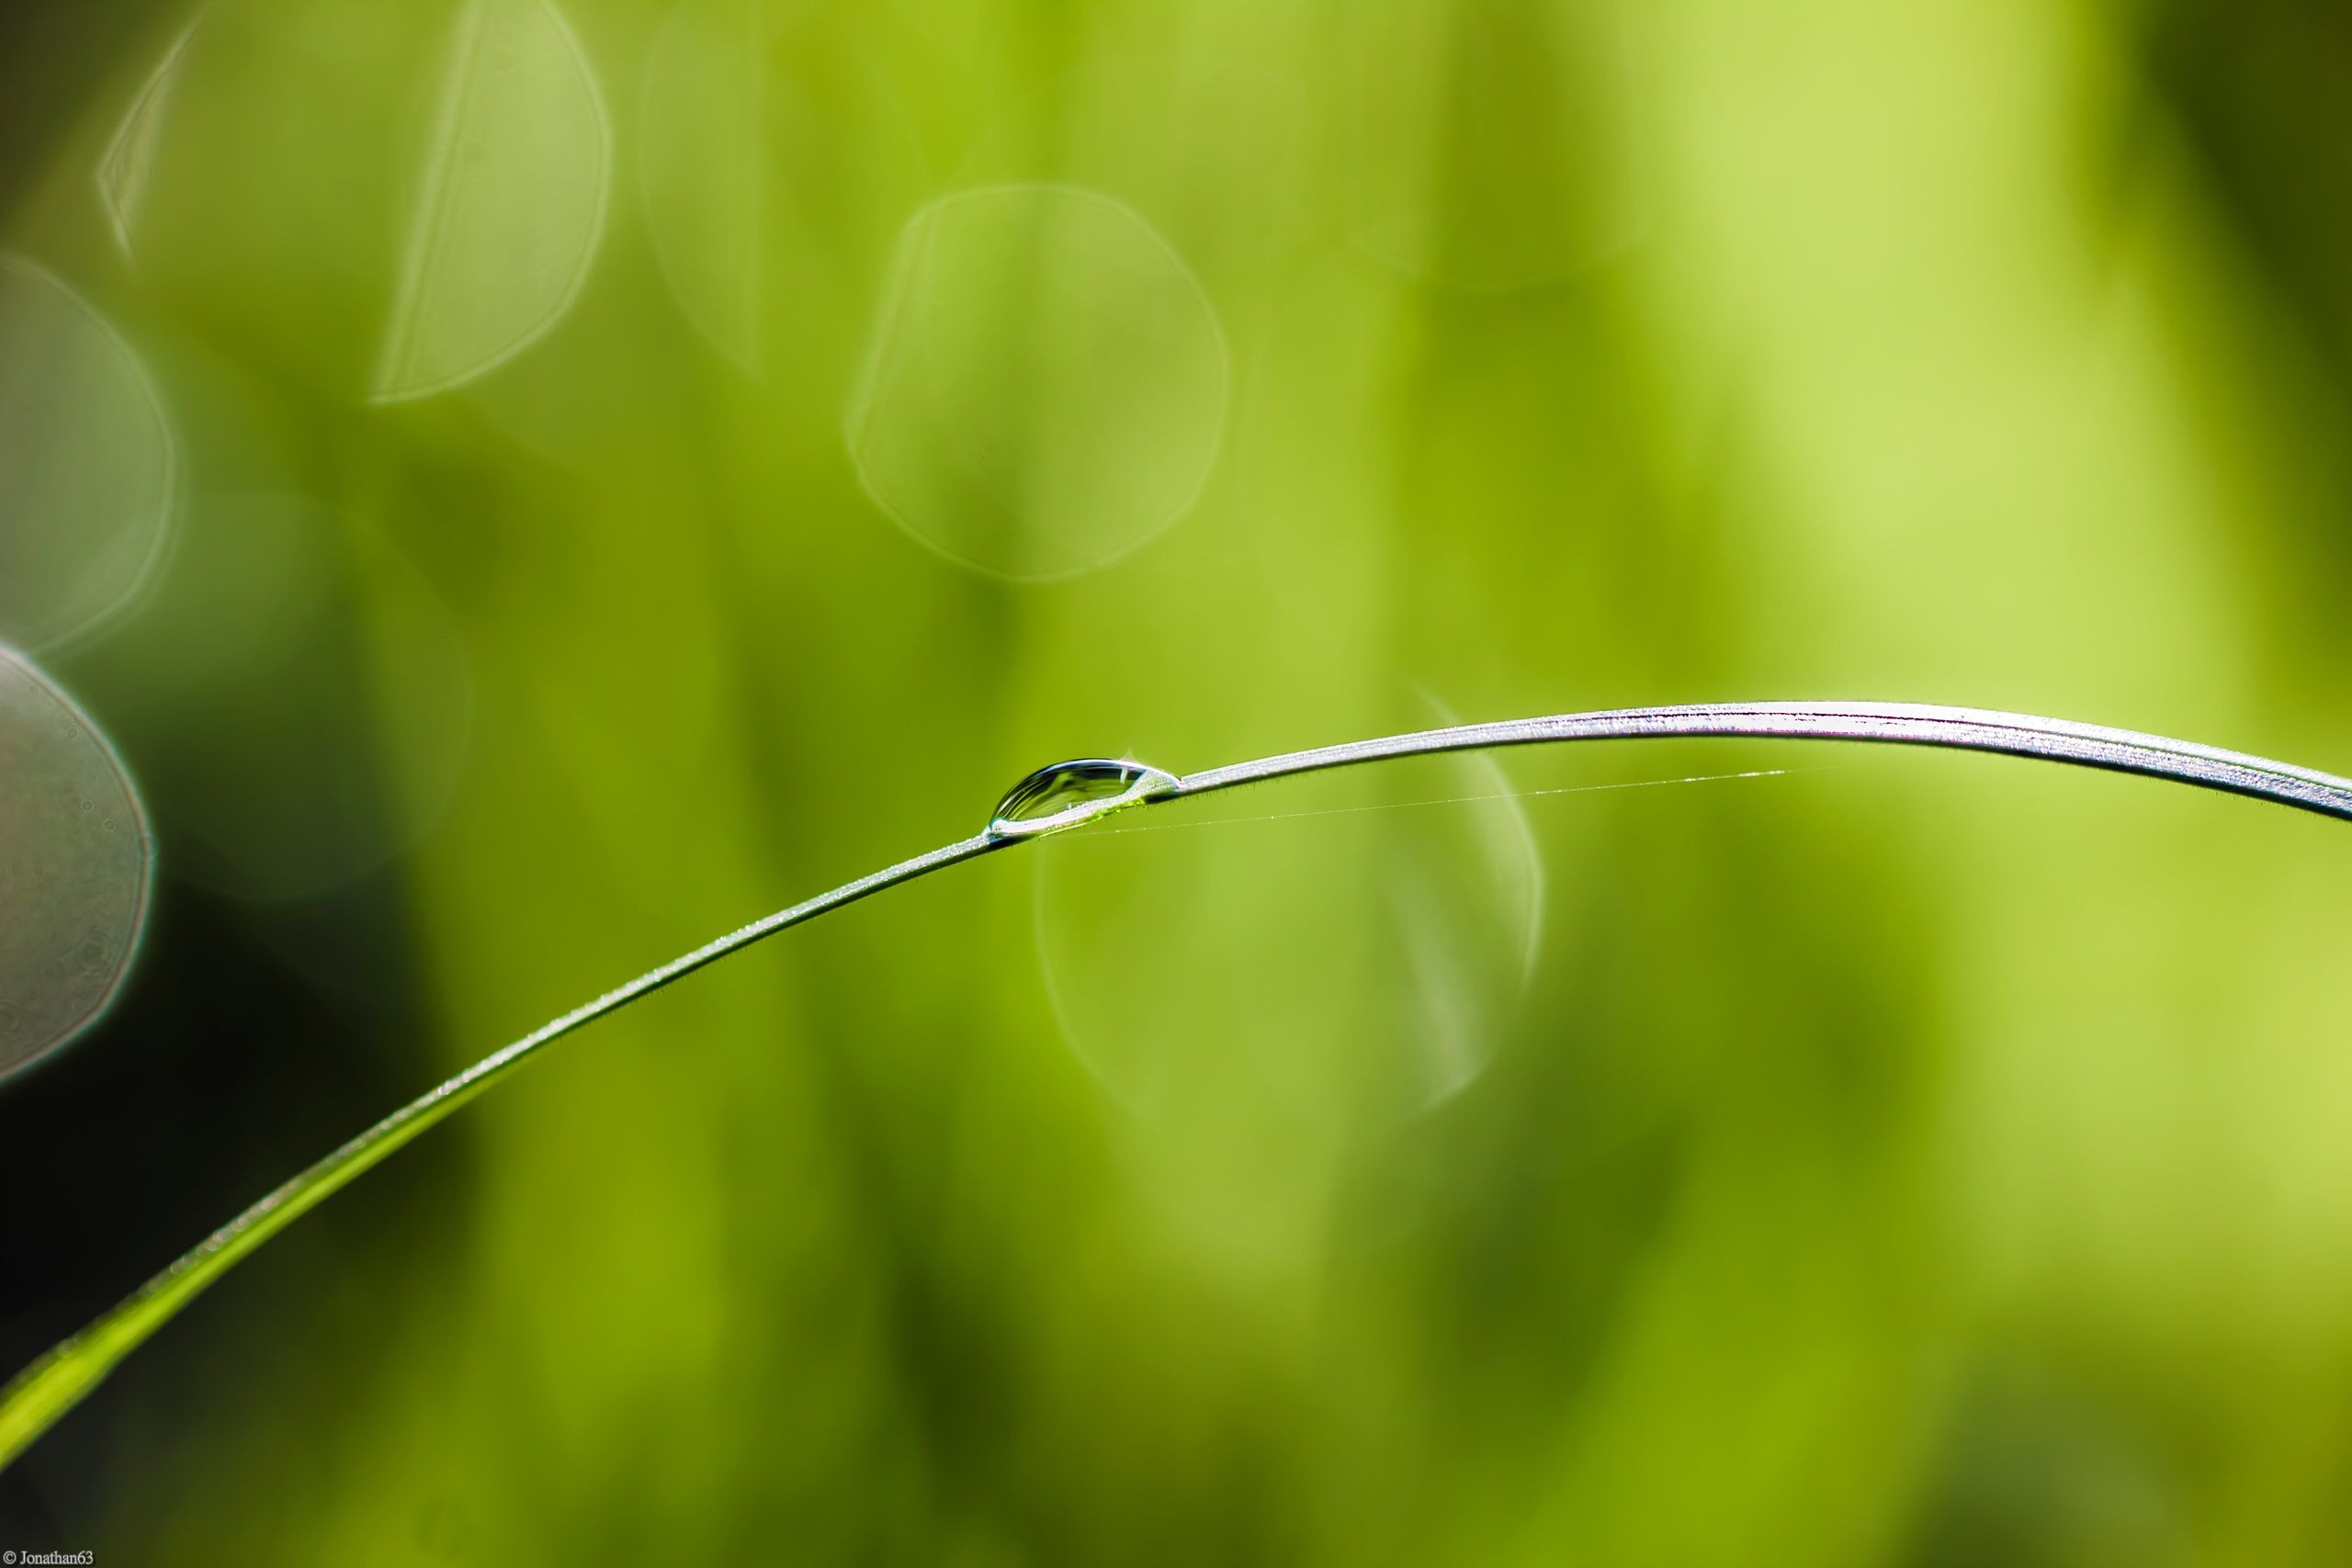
(1068, 793)
(1047, 386)
(72, 896)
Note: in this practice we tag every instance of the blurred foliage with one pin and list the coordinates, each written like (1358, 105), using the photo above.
(1906, 1160)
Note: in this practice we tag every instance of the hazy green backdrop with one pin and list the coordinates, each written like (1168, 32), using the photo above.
(628, 466)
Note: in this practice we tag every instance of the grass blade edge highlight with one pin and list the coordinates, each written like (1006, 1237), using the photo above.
(37, 1398)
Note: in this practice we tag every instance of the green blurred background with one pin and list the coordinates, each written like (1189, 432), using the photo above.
(631, 466)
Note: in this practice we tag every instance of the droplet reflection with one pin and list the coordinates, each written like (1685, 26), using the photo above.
(1066, 794)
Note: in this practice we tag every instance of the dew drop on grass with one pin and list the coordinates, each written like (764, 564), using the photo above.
(85, 463)
(512, 201)
(1046, 386)
(1068, 793)
(73, 884)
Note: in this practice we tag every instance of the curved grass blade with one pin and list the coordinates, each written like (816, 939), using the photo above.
(1900, 723)
(43, 1391)
(37, 1396)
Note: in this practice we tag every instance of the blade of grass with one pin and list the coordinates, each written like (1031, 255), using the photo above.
(46, 1390)
(36, 1397)
(1902, 724)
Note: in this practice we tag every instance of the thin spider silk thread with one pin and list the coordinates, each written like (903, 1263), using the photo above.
(1452, 800)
